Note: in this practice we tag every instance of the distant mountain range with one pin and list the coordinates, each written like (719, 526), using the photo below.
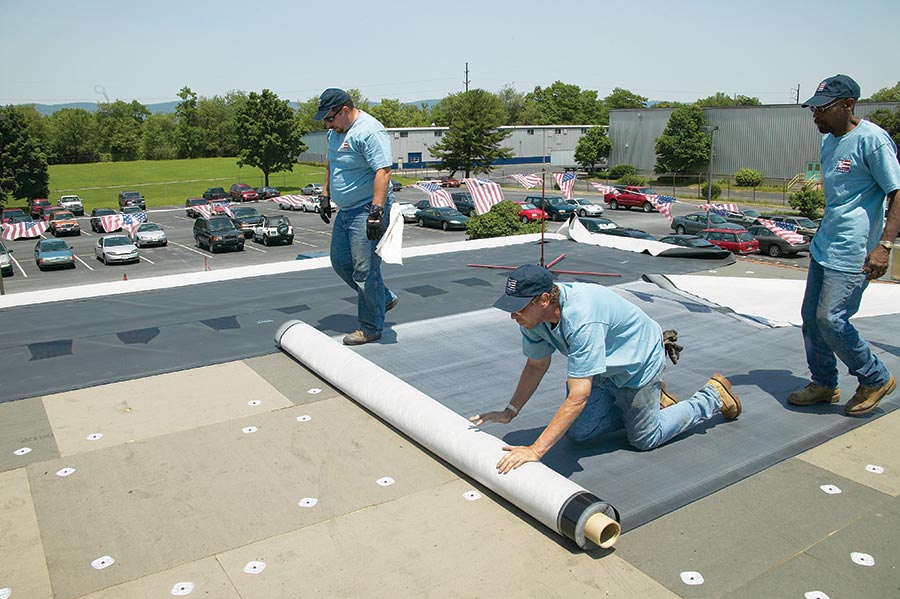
(167, 107)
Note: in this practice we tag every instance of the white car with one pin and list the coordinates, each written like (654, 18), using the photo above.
(116, 248)
(73, 204)
(408, 211)
(585, 207)
(149, 234)
(5, 261)
(272, 229)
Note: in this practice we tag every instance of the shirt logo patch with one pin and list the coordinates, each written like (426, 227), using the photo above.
(345, 147)
(842, 166)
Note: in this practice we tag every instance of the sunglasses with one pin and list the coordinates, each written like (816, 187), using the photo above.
(330, 119)
(815, 109)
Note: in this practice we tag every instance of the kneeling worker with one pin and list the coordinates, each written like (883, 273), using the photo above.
(615, 364)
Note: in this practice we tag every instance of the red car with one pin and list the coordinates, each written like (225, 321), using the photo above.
(736, 241)
(241, 192)
(529, 213)
(36, 206)
(630, 196)
(449, 182)
(8, 213)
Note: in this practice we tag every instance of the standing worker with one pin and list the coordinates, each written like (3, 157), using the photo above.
(851, 247)
(616, 358)
(358, 180)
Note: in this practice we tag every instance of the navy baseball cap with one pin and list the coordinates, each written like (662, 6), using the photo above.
(523, 285)
(839, 86)
(330, 99)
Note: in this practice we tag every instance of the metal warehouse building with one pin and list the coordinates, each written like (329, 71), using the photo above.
(776, 140)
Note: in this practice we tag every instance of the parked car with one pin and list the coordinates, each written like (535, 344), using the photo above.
(130, 209)
(36, 207)
(132, 198)
(73, 204)
(96, 225)
(408, 211)
(396, 186)
(529, 213)
(215, 193)
(773, 245)
(53, 253)
(555, 206)
(597, 225)
(247, 218)
(8, 213)
(20, 218)
(148, 234)
(630, 196)
(736, 241)
(463, 202)
(47, 212)
(805, 226)
(63, 223)
(189, 205)
(628, 232)
(699, 246)
(241, 192)
(424, 205)
(449, 182)
(585, 207)
(6, 267)
(265, 193)
(311, 189)
(273, 229)
(116, 248)
(308, 204)
(695, 222)
(744, 217)
(441, 218)
(218, 232)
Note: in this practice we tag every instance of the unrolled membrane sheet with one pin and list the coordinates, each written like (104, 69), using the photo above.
(552, 499)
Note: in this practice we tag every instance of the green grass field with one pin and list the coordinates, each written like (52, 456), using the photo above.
(166, 182)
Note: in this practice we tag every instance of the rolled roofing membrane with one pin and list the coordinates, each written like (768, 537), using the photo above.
(549, 497)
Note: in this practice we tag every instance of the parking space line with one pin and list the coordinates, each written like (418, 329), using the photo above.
(16, 262)
(312, 245)
(250, 247)
(204, 254)
(83, 262)
(147, 259)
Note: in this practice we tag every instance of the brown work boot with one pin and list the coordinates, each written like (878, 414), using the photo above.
(813, 394)
(730, 404)
(666, 399)
(358, 337)
(866, 398)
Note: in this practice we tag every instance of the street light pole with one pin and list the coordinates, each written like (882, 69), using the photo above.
(712, 136)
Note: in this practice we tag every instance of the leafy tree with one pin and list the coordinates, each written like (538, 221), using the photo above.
(563, 104)
(500, 221)
(472, 144)
(633, 179)
(514, 101)
(217, 121)
(188, 137)
(38, 127)
(160, 137)
(723, 99)
(748, 177)
(887, 94)
(668, 104)
(808, 201)
(711, 194)
(620, 170)
(683, 146)
(622, 98)
(889, 121)
(592, 148)
(23, 164)
(119, 125)
(268, 133)
(394, 113)
(73, 135)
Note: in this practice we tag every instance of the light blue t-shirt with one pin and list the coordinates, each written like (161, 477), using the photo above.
(602, 334)
(353, 158)
(859, 169)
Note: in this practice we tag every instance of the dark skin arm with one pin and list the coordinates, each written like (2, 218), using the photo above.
(877, 260)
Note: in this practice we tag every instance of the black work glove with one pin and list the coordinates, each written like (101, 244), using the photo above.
(673, 350)
(325, 209)
(375, 223)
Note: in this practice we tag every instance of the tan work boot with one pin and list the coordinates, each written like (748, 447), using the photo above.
(813, 394)
(666, 399)
(358, 337)
(866, 398)
(730, 404)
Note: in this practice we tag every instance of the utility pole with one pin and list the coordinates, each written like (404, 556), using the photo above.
(467, 77)
(798, 93)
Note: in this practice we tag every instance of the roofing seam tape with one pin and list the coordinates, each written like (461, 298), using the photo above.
(549, 497)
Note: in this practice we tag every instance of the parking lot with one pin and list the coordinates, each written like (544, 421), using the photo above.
(311, 236)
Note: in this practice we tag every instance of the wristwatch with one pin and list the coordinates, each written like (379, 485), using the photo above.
(886, 244)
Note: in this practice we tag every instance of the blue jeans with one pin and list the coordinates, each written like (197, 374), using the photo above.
(354, 260)
(832, 298)
(610, 408)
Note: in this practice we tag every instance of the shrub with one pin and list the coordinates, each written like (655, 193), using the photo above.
(632, 179)
(808, 201)
(620, 170)
(501, 220)
(748, 177)
(716, 191)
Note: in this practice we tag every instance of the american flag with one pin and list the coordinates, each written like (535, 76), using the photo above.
(484, 194)
(720, 209)
(130, 222)
(605, 189)
(437, 197)
(566, 182)
(843, 166)
(220, 207)
(27, 229)
(662, 203)
(111, 222)
(290, 200)
(528, 181)
(787, 231)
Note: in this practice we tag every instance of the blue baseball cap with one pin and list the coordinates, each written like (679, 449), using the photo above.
(839, 86)
(523, 285)
(330, 99)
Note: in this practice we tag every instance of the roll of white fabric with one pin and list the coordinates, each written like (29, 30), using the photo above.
(552, 499)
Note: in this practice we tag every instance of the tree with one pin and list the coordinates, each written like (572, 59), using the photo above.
(73, 135)
(748, 177)
(563, 104)
(217, 121)
(119, 125)
(472, 144)
(394, 113)
(592, 148)
(23, 164)
(889, 121)
(268, 133)
(188, 136)
(514, 102)
(808, 201)
(723, 99)
(683, 146)
(501, 220)
(622, 98)
(160, 137)
(887, 94)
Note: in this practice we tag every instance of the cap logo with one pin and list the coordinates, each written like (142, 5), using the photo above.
(511, 285)
(822, 86)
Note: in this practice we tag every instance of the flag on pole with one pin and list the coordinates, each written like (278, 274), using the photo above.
(437, 196)
(720, 209)
(606, 189)
(485, 193)
(787, 231)
(566, 182)
(33, 228)
(528, 181)
(663, 204)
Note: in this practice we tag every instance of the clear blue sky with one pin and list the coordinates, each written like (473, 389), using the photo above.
(62, 51)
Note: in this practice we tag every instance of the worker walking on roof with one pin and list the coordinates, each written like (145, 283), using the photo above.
(616, 358)
(851, 247)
